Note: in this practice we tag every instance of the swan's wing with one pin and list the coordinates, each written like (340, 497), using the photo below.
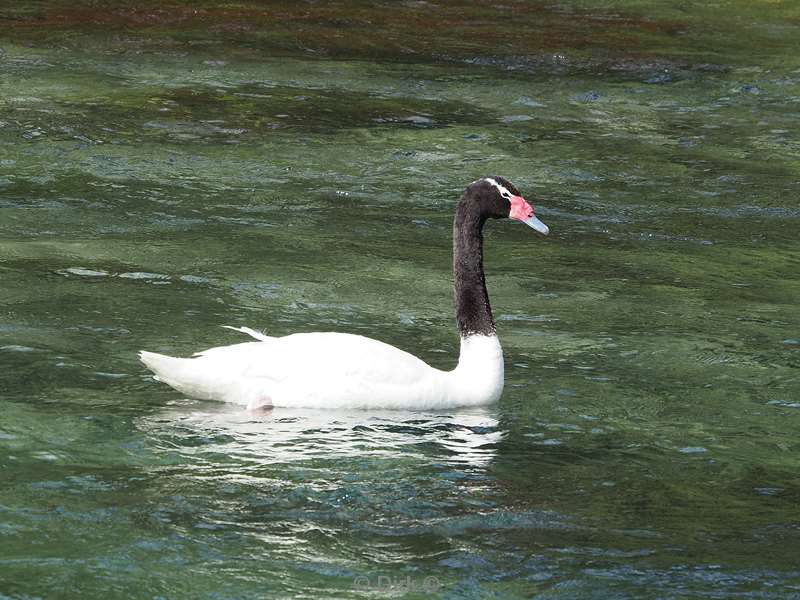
(336, 355)
(326, 370)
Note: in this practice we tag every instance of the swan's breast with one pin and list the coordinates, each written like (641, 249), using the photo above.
(479, 376)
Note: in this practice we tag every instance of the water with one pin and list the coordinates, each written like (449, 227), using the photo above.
(166, 169)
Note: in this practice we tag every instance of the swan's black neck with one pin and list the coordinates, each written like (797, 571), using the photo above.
(473, 312)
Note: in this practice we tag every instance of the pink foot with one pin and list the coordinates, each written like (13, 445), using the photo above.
(260, 404)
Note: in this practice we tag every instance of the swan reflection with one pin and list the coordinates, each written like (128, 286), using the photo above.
(467, 436)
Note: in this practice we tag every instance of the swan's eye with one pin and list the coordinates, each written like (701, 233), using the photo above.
(506, 195)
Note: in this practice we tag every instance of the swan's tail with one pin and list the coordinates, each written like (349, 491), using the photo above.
(175, 372)
(191, 376)
(215, 374)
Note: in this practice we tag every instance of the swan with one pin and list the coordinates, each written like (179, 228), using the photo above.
(343, 370)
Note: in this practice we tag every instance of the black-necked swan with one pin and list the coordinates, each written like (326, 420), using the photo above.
(343, 370)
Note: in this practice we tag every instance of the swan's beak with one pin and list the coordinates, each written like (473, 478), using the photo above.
(522, 211)
(532, 221)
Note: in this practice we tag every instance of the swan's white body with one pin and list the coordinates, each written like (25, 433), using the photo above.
(333, 370)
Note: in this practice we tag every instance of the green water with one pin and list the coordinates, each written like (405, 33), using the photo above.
(169, 168)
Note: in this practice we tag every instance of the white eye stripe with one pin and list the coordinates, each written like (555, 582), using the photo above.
(500, 188)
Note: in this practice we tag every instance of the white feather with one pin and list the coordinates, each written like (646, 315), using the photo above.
(251, 332)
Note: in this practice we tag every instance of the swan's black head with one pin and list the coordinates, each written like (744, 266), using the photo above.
(498, 198)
